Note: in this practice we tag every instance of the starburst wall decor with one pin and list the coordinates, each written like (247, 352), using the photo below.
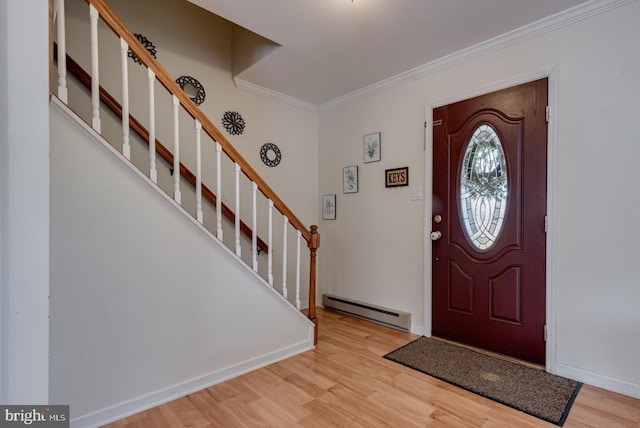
(147, 45)
(233, 122)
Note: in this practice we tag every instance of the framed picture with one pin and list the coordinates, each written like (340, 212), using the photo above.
(372, 147)
(350, 179)
(396, 177)
(329, 207)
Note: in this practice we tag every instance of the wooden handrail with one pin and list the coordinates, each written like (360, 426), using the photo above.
(167, 81)
(310, 235)
(83, 77)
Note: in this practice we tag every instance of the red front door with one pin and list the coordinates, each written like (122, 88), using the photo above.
(489, 204)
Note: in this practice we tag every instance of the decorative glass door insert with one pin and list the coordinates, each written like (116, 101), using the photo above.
(483, 188)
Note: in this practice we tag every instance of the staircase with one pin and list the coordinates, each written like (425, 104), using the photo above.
(190, 187)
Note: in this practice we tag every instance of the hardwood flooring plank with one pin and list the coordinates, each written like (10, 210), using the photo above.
(286, 397)
(219, 415)
(345, 382)
(233, 388)
(359, 409)
(245, 415)
(272, 415)
(323, 413)
(625, 408)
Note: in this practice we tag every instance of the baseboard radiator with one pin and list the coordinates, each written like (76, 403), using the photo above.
(385, 316)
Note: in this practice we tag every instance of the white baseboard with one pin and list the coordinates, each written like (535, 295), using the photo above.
(605, 382)
(131, 407)
(417, 329)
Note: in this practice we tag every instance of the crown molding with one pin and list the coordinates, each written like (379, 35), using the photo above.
(519, 35)
(535, 29)
(274, 95)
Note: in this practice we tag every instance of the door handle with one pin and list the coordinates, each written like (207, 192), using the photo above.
(436, 235)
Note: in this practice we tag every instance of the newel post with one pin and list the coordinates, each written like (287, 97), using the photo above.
(313, 244)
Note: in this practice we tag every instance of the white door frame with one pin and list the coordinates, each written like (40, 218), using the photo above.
(552, 155)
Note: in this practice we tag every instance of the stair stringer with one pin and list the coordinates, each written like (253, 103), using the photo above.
(146, 304)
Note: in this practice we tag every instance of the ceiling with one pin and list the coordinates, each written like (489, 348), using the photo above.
(330, 48)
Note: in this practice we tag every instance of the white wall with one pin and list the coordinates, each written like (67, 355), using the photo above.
(374, 252)
(146, 306)
(24, 202)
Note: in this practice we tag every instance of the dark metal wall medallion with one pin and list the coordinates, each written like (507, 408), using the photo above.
(192, 88)
(233, 122)
(270, 154)
(147, 45)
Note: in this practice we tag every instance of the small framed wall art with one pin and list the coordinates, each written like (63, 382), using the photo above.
(372, 147)
(329, 207)
(396, 177)
(350, 179)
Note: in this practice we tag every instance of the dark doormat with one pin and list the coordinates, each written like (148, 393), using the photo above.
(532, 391)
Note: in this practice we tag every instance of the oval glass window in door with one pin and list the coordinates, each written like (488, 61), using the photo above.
(483, 188)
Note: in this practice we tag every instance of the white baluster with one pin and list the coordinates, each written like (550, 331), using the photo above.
(126, 147)
(270, 243)
(177, 196)
(254, 230)
(284, 257)
(299, 235)
(153, 171)
(95, 80)
(219, 191)
(198, 173)
(237, 225)
(62, 52)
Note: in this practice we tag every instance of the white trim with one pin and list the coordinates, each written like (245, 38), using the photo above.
(274, 95)
(552, 73)
(545, 25)
(428, 213)
(611, 384)
(148, 401)
(494, 87)
(553, 148)
(417, 329)
(534, 29)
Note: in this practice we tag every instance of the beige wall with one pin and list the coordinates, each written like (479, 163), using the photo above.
(190, 42)
(193, 42)
(145, 306)
(375, 251)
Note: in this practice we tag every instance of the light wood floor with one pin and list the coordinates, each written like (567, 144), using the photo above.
(344, 382)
